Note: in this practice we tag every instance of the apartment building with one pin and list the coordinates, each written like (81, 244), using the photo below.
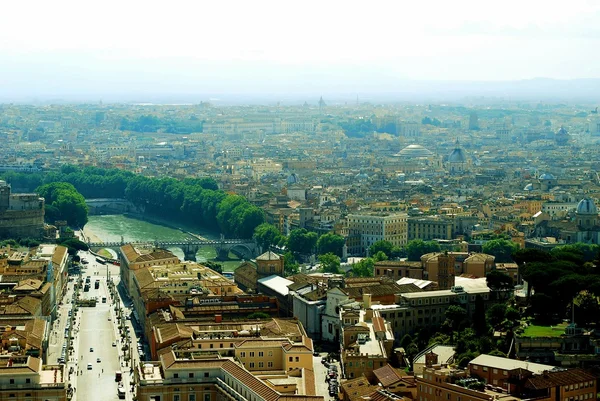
(177, 377)
(471, 263)
(367, 342)
(157, 286)
(430, 228)
(133, 259)
(272, 354)
(25, 378)
(376, 227)
(491, 378)
(46, 269)
(416, 310)
(396, 269)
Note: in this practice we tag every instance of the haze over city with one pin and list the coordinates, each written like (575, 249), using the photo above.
(299, 201)
(188, 51)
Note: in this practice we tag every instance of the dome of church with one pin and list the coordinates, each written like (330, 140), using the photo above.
(414, 152)
(587, 206)
(547, 176)
(457, 156)
(362, 176)
(562, 136)
(293, 179)
(528, 187)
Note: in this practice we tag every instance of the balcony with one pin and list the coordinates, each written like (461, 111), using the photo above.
(228, 391)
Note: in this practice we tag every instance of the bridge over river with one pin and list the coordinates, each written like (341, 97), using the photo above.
(246, 248)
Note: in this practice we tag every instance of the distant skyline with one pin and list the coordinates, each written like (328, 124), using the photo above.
(76, 49)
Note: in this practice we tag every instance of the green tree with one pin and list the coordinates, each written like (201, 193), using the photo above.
(500, 248)
(380, 256)
(65, 203)
(301, 241)
(382, 246)
(330, 263)
(479, 323)
(363, 268)
(455, 315)
(498, 281)
(267, 235)
(406, 341)
(496, 314)
(417, 248)
(330, 243)
(290, 266)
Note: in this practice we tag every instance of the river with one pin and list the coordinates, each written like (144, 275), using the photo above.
(110, 228)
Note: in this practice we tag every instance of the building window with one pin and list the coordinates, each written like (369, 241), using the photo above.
(191, 375)
(251, 364)
(176, 397)
(261, 364)
(252, 354)
(205, 374)
(270, 364)
(206, 397)
(192, 397)
(261, 354)
(175, 375)
(291, 359)
(297, 359)
(270, 353)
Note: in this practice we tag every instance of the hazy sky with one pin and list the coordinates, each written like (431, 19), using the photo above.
(66, 46)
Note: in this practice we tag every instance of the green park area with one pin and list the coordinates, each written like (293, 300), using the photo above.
(545, 331)
(105, 253)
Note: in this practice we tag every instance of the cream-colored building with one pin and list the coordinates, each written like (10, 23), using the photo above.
(179, 378)
(181, 280)
(268, 354)
(376, 227)
(25, 378)
(133, 259)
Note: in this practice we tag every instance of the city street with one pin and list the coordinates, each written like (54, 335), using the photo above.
(57, 336)
(97, 329)
(322, 386)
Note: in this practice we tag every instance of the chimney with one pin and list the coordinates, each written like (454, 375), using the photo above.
(366, 301)
(431, 359)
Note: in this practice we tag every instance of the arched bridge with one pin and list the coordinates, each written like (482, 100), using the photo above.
(246, 248)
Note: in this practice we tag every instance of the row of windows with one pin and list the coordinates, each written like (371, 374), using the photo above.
(252, 354)
(220, 345)
(190, 375)
(262, 364)
(578, 385)
(191, 397)
(586, 396)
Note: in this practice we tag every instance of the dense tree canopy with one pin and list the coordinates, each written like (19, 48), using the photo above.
(267, 235)
(302, 241)
(330, 263)
(558, 278)
(330, 243)
(382, 246)
(193, 201)
(500, 248)
(64, 203)
(364, 268)
(499, 281)
(417, 248)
